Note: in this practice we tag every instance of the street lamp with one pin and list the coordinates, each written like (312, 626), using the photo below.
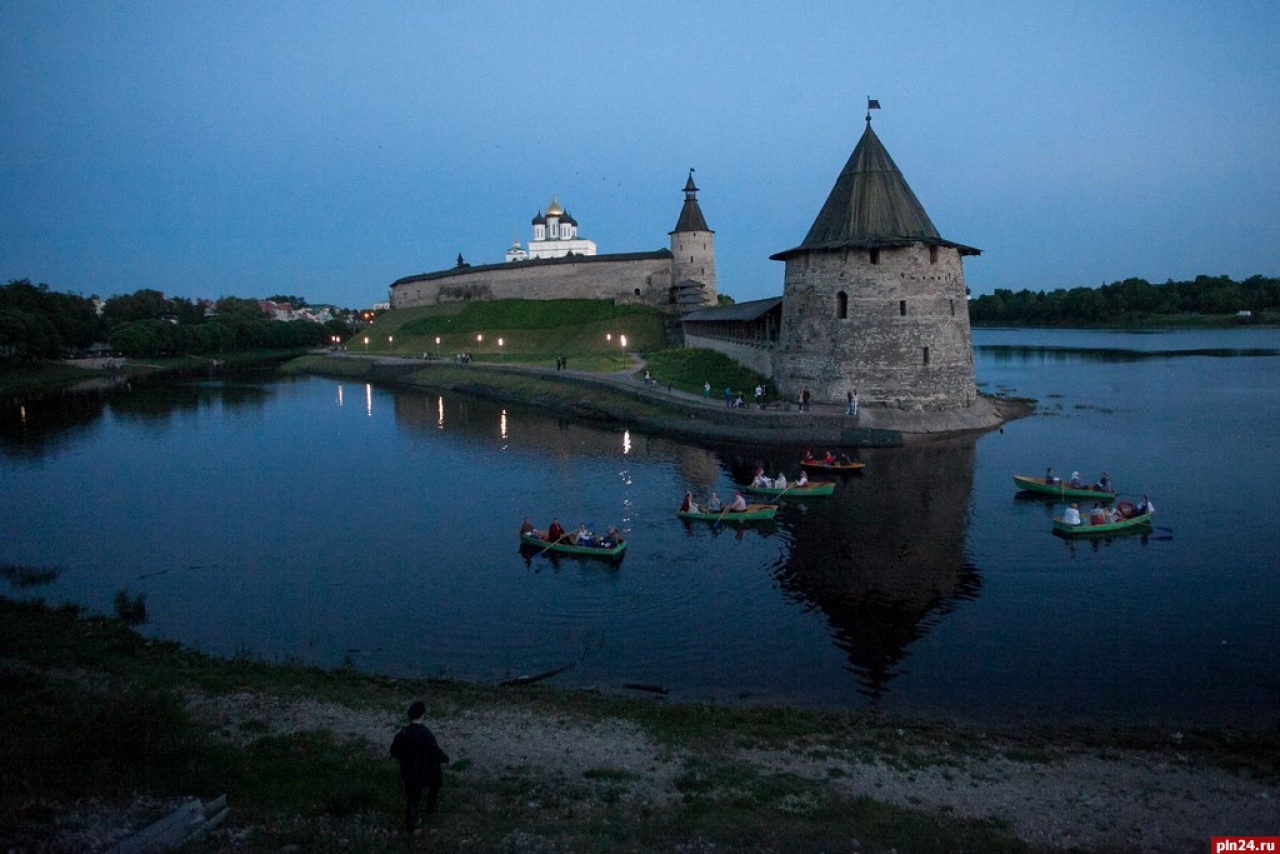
(366, 345)
(499, 349)
(437, 346)
(388, 343)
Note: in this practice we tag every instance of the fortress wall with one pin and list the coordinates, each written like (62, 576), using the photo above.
(755, 357)
(643, 280)
(896, 309)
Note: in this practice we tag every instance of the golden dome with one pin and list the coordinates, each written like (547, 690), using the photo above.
(554, 208)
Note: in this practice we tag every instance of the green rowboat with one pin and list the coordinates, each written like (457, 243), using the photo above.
(565, 547)
(753, 513)
(1060, 489)
(814, 489)
(1084, 529)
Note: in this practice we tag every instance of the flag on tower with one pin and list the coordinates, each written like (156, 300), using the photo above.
(873, 104)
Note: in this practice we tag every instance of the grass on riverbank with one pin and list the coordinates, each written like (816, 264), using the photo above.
(531, 331)
(93, 710)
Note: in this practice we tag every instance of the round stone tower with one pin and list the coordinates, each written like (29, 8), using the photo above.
(693, 256)
(874, 299)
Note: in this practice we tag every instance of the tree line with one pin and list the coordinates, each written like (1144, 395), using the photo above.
(1124, 302)
(37, 322)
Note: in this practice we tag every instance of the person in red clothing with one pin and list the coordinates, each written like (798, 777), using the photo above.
(554, 532)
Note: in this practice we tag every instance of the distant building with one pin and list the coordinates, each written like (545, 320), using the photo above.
(555, 235)
(560, 264)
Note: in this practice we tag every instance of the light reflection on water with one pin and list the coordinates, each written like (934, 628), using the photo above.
(263, 517)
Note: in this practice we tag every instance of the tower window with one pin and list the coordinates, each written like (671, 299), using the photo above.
(953, 307)
(842, 306)
(874, 256)
(926, 355)
(902, 307)
(933, 255)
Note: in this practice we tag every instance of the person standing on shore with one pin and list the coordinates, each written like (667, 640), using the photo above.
(420, 760)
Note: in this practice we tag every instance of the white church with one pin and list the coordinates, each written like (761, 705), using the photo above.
(555, 235)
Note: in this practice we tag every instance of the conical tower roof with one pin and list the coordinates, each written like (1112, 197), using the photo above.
(871, 206)
(691, 218)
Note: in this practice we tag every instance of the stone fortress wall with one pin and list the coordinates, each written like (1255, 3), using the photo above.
(897, 329)
(636, 278)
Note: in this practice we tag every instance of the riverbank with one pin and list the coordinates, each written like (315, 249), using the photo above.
(623, 397)
(107, 730)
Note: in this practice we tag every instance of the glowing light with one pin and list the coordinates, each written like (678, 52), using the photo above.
(340, 395)
(479, 338)
(608, 336)
(626, 441)
(622, 339)
(368, 399)
(502, 424)
(440, 412)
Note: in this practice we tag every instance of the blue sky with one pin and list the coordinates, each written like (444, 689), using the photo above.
(208, 149)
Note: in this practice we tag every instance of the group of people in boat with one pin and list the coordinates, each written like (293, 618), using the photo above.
(713, 505)
(1099, 515)
(762, 481)
(828, 460)
(555, 533)
(1103, 483)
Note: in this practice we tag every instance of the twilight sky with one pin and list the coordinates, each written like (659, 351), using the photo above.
(325, 149)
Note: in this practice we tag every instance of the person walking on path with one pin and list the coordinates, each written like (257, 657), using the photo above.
(706, 390)
(420, 760)
(728, 397)
(852, 397)
(805, 394)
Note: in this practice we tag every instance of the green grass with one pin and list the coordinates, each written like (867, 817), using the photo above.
(687, 370)
(532, 331)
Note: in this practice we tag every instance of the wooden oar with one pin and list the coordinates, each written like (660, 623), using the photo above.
(552, 543)
(716, 523)
(782, 493)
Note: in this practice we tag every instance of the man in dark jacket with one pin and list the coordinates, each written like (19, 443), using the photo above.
(420, 760)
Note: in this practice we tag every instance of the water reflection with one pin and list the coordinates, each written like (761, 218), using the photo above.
(884, 557)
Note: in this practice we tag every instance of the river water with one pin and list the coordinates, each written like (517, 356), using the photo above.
(337, 523)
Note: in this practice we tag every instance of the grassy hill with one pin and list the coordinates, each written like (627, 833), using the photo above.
(531, 331)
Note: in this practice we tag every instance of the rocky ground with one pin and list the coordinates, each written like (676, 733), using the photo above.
(1059, 797)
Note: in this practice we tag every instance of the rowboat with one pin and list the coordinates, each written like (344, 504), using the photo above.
(1062, 490)
(564, 546)
(833, 468)
(753, 513)
(1084, 529)
(814, 489)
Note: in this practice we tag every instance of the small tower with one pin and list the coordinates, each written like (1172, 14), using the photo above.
(874, 299)
(693, 256)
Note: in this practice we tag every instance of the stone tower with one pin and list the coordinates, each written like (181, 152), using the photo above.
(874, 299)
(693, 256)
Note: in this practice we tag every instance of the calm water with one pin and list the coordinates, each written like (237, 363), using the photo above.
(334, 522)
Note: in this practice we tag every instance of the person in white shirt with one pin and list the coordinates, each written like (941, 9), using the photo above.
(1072, 515)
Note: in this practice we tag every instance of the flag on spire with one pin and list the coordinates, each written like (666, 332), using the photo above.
(873, 104)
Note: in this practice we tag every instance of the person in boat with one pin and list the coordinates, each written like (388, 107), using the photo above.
(760, 481)
(1072, 515)
(1097, 516)
(1076, 482)
(803, 480)
(845, 460)
(780, 482)
(611, 538)
(527, 529)
(1048, 476)
(1104, 483)
(808, 456)
(828, 459)
(1145, 506)
(739, 504)
(582, 537)
(713, 504)
(555, 533)
(686, 503)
